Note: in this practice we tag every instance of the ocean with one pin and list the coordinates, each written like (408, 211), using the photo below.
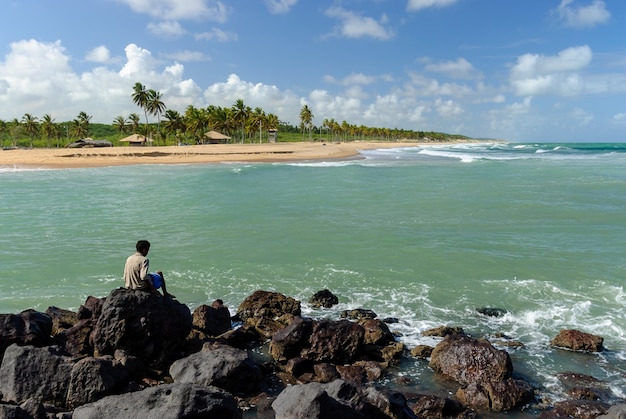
(426, 235)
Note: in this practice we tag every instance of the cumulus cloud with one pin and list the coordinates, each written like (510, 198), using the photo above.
(416, 5)
(351, 79)
(188, 56)
(166, 29)
(353, 25)
(100, 54)
(583, 16)
(216, 34)
(535, 74)
(180, 10)
(458, 69)
(280, 6)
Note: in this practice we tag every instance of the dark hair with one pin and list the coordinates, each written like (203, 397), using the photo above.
(143, 245)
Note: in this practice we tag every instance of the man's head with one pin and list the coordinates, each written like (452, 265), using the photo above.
(143, 246)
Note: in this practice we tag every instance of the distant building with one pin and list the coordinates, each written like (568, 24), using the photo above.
(137, 140)
(272, 135)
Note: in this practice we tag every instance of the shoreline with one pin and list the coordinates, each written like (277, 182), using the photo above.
(68, 158)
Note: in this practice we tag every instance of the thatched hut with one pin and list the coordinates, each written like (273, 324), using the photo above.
(137, 140)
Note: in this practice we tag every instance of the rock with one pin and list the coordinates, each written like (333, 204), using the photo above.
(422, 351)
(579, 409)
(615, 412)
(376, 332)
(61, 319)
(334, 341)
(443, 331)
(42, 373)
(151, 328)
(360, 372)
(29, 327)
(492, 311)
(325, 372)
(93, 378)
(212, 320)
(385, 404)
(178, 400)
(578, 341)
(219, 365)
(265, 304)
(467, 360)
(77, 339)
(33, 408)
(244, 337)
(289, 342)
(358, 314)
(323, 298)
(91, 309)
(311, 401)
(429, 406)
(496, 395)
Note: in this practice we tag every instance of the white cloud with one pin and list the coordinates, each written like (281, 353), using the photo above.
(448, 108)
(166, 29)
(583, 117)
(415, 5)
(620, 117)
(353, 25)
(351, 79)
(188, 56)
(583, 16)
(176, 10)
(459, 69)
(100, 54)
(280, 6)
(216, 34)
(535, 74)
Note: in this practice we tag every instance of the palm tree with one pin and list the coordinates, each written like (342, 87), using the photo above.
(306, 119)
(174, 124)
(134, 122)
(120, 124)
(257, 119)
(31, 126)
(4, 128)
(48, 128)
(155, 106)
(240, 115)
(140, 98)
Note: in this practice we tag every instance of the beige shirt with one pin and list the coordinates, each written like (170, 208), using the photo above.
(136, 272)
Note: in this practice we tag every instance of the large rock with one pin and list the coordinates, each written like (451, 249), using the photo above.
(151, 328)
(93, 378)
(29, 327)
(467, 360)
(617, 411)
(42, 373)
(269, 305)
(288, 342)
(334, 341)
(168, 401)
(496, 396)
(579, 409)
(323, 298)
(77, 339)
(576, 340)
(221, 366)
(61, 319)
(212, 320)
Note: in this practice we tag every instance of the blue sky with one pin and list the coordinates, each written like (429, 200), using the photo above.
(533, 70)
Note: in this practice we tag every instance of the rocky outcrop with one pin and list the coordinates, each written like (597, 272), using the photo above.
(61, 319)
(151, 328)
(576, 340)
(323, 298)
(178, 400)
(483, 371)
(221, 366)
(267, 305)
(29, 327)
(211, 320)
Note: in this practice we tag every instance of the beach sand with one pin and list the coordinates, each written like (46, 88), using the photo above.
(58, 158)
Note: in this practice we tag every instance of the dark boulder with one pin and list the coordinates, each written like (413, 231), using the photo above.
(492, 311)
(323, 298)
(579, 409)
(422, 351)
(61, 319)
(289, 342)
(219, 365)
(496, 395)
(93, 378)
(358, 314)
(29, 327)
(41, 373)
(576, 340)
(311, 401)
(77, 339)
(376, 332)
(467, 360)
(151, 328)
(430, 406)
(91, 309)
(443, 331)
(334, 341)
(265, 304)
(178, 400)
(617, 411)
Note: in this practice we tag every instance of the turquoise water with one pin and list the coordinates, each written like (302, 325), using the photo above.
(426, 235)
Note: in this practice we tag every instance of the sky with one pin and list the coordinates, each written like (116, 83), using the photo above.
(522, 71)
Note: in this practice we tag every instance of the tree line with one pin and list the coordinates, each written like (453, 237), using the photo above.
(169, 126)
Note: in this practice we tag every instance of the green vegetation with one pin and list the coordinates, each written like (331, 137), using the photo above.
(240, 122)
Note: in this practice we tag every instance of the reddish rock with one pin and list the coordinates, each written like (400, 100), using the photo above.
(578, 341)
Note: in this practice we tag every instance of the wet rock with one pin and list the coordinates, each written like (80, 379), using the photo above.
(178, 400)
(429, 406)
(443, 331)
(289, 342)
(334, 341)
(151, 328)
(323, 298)
(376, 332)
(361, 372)
(467, 360)
(576, 340)
(579, 409)
(496, 395)
(422, 351)
(221, 366)
(265, 304)
(325, 372)
(492, 311)
(358, 314)
(615, 412)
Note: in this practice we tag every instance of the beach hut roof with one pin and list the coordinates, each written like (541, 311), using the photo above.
(214, 135)
(136, 138)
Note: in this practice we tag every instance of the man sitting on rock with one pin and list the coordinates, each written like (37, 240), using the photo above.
(136, 275)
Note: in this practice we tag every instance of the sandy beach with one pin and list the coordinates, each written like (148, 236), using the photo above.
(59, 158)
